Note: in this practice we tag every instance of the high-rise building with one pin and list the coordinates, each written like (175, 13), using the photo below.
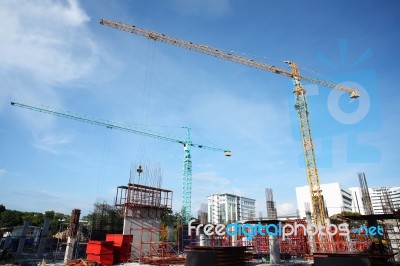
(336, 198)
(227, 208)
(383, 199)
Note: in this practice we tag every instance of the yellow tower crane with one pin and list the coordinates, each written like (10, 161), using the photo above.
(299, 93)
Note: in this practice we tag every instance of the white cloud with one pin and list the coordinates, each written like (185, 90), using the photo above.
(50, 143)
(46, 46)
(285, 208)
(42, 37)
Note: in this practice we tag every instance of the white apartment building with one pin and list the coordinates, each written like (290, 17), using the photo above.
(382, 199)
(226, 208)
(336, 197)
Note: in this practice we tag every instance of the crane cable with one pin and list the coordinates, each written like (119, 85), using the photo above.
(144, 108)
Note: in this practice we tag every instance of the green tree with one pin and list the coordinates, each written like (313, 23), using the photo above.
(10, 218)
(56, 220)
(87, 218)
(337, 218)
(34, 218)
(49, 214)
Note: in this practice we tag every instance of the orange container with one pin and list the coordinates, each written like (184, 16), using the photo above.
(125, 248)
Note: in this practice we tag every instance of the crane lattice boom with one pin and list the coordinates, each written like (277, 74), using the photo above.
(205, 49)
(113, 124)
(299, 92)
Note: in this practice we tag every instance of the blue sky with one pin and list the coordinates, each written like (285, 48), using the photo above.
(56, 53)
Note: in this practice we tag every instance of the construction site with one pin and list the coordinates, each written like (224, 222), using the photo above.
(139, 228)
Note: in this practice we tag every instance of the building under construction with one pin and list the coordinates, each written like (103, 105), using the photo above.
(154, 242)
(142, 236)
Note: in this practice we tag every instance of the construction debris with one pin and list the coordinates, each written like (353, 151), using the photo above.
(81, 262)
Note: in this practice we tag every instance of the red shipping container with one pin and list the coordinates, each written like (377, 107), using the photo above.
(99, 247)
(106, 259)
(119, 239)
(120, 258)
(125, 248)
(111, 237)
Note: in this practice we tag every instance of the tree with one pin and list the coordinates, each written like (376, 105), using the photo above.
(105, 219)
(336, 218)
(49, 214)
(56, 219)
(87, 218)
(34, 218)
(10, 218)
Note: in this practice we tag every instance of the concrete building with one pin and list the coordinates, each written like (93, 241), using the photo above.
(226, 208)
(336, 197)
(383, 199)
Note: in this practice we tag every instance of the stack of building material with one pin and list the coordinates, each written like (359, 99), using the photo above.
(122, 247)
(100, 251)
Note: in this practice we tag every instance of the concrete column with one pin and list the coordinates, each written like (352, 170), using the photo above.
(69, 251)
(202, 237)
(22, 238)
(274, 253)
(43, 237)
(234, 240)
(311, 238)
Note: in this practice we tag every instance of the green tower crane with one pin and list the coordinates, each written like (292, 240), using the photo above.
(187, 144)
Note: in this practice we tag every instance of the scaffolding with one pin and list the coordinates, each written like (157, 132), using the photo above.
(153, 242)
(365, 197)
(393, 231)
(143, 201)
(386, 201)
(296, 244)
(271, 210)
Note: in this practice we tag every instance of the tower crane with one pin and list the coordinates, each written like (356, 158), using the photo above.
(187, 144)
(299, 93)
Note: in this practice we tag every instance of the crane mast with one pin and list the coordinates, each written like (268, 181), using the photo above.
(187, 180)
(187, 143)
(308, 148)
(299, 92)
